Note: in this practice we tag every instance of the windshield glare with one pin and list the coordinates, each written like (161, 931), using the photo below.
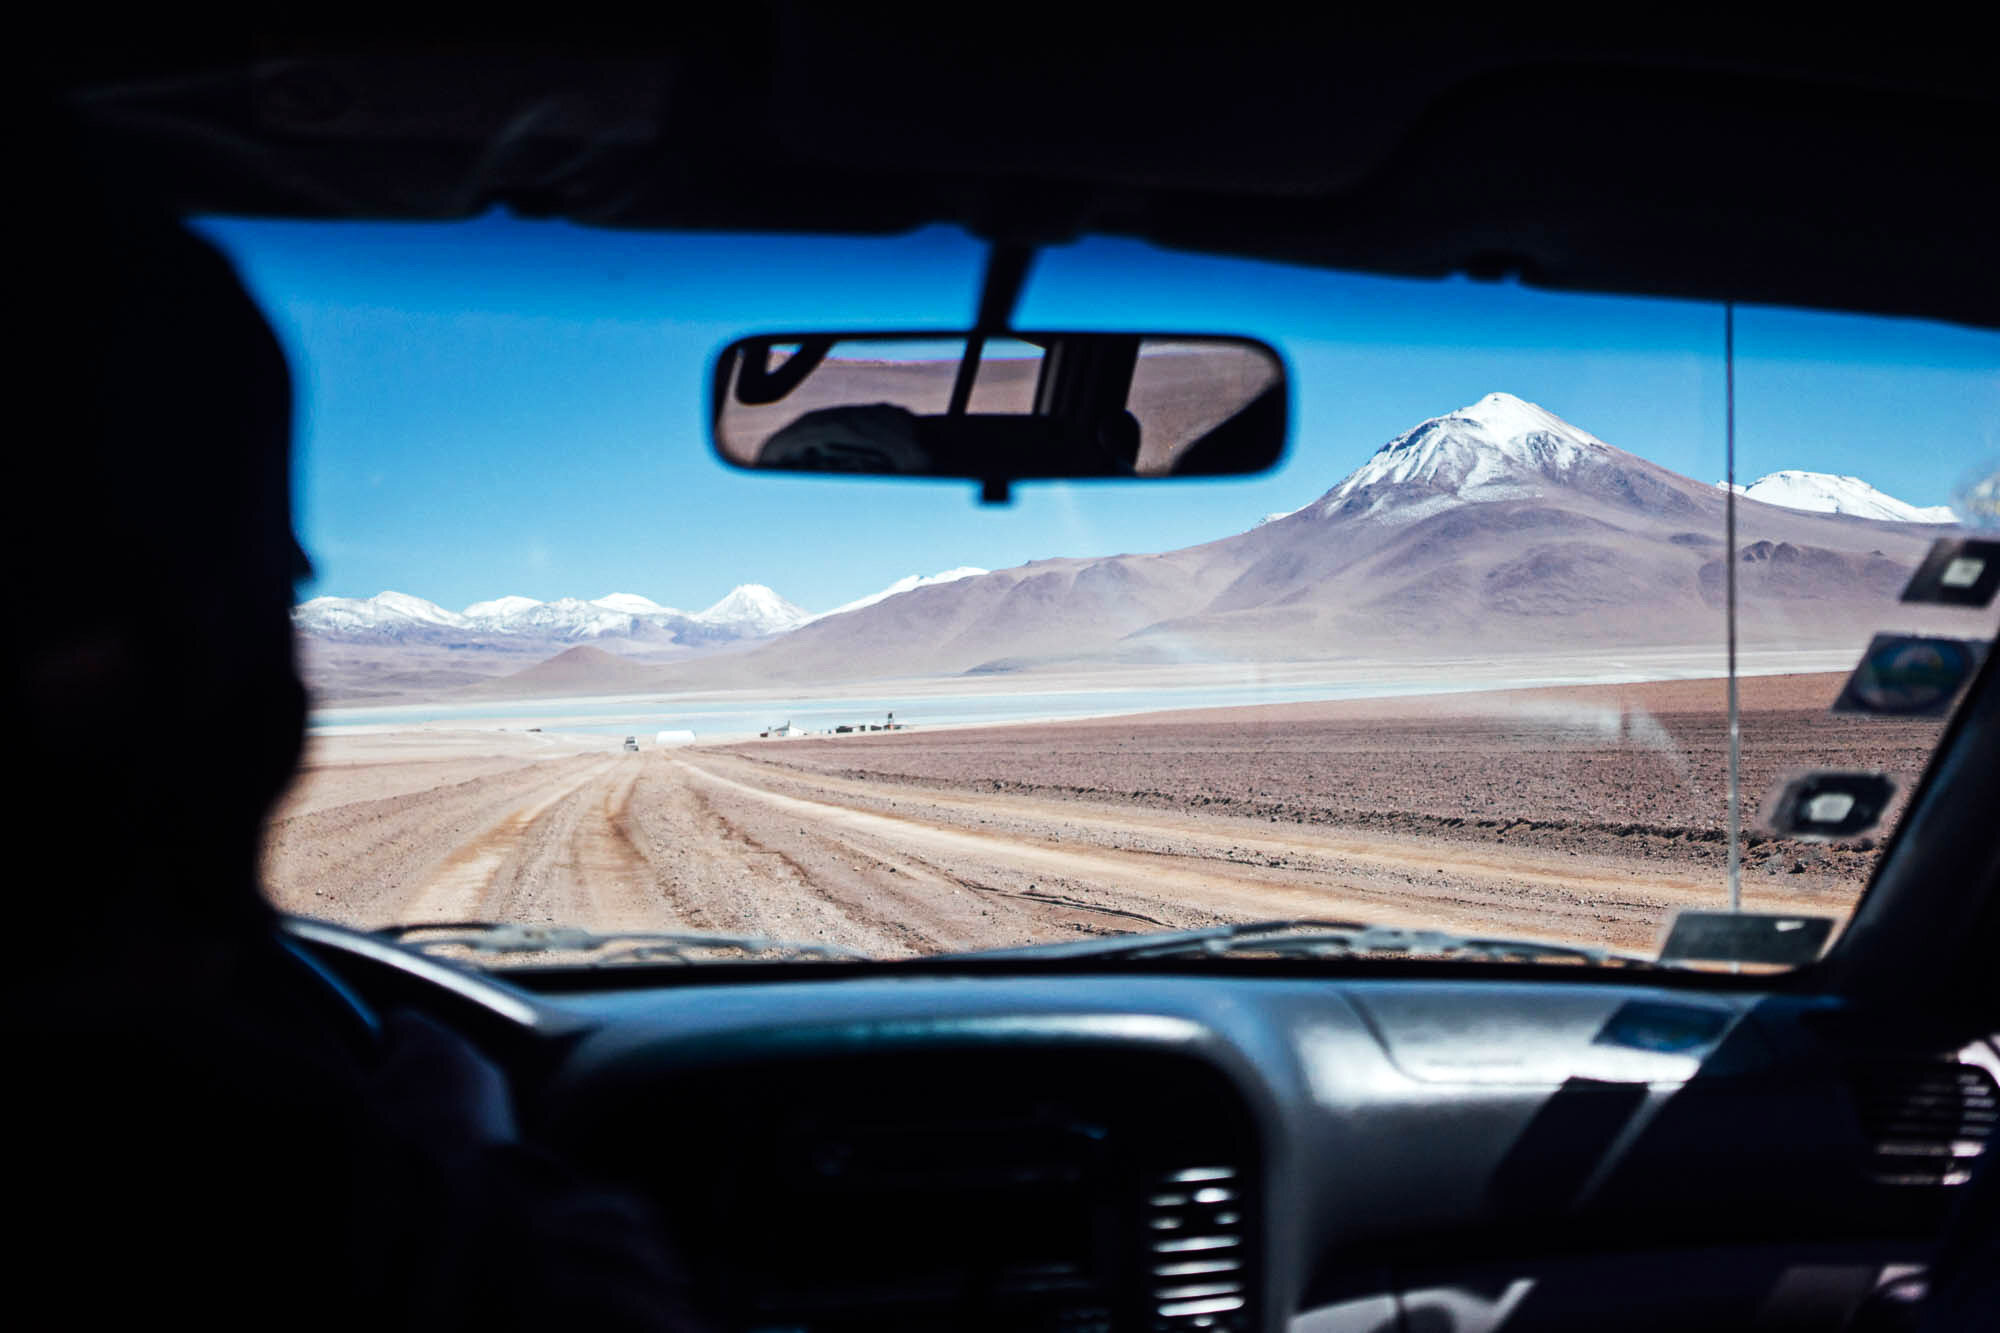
(1458, 665)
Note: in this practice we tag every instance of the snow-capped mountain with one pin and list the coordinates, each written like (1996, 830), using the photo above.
(416, 608)
(385, 610)
(1499, 448)
(497, 609)
(903, 585)
(632, 604)
(747, 612)
(565, 618)
(1492, 444)
(1496, 527)
(754, 609)
(1825, 493)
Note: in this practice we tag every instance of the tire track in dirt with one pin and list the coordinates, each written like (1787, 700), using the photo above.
(1034, 895)
(1194, 866)
(708, 873)
(361, 861)
(894, 899)
(480, 876)
(575, 864)
(1160, 888)
(721, 842)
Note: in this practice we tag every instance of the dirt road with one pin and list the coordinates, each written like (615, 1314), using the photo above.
(757, 842)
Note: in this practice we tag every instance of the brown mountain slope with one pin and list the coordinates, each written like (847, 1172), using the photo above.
(580, 670)
(1499, 528)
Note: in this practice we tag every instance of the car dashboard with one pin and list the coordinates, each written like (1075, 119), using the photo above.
(897, 1149)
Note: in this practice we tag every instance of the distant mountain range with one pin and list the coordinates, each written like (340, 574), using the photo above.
(1496, 528)
(749, 611)
(1499, 527)
(394, 643)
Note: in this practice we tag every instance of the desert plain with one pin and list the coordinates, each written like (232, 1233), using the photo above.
(1579, 814)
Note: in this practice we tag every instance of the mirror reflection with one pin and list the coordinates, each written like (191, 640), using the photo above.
(1010, 406)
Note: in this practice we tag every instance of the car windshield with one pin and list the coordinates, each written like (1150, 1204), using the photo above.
(1456, 666)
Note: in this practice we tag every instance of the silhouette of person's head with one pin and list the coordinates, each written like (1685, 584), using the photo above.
(153, 565)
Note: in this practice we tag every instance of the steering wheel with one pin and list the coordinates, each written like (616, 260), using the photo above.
(354, 1021)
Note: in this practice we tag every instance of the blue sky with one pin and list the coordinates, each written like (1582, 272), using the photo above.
(511, 407)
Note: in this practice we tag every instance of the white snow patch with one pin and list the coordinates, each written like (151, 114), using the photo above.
(902, 585)
(383, 611)
(1414, 510)
(754, 607)
(1827, 493)
(416, 608)
(1493, 449)
(632, 604)
(566, 618)
(748, 611)
(499, 608)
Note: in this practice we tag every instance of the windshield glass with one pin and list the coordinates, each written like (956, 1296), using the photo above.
(1458, 665)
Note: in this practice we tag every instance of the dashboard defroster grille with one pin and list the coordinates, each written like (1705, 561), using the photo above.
(1197, 1221)
(1926, 1123)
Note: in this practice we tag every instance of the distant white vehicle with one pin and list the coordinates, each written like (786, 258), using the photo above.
(676, 737)
(632, 743)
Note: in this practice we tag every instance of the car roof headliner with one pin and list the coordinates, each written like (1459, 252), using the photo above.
(1849, 170)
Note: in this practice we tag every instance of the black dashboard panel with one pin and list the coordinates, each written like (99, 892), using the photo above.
(916, 1150)
(962, 1186)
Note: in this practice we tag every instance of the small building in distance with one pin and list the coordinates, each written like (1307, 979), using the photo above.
(674, 737)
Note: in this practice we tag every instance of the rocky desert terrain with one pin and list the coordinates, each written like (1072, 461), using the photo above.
(1584, 815)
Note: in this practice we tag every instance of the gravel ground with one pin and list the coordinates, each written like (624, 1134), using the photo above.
(1578, 815)
(1640, 771)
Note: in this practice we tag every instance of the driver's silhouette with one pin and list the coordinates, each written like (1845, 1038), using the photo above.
(195, 1133)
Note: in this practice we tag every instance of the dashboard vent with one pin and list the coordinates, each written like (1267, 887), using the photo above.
(1926, 1122)
(1197, 1222)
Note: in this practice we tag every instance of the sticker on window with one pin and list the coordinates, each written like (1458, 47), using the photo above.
(1957, 572)
(1906, 675)
(1822, 807)
(1745, 937)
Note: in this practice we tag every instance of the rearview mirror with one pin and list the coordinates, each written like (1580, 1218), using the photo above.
(1005, 407)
